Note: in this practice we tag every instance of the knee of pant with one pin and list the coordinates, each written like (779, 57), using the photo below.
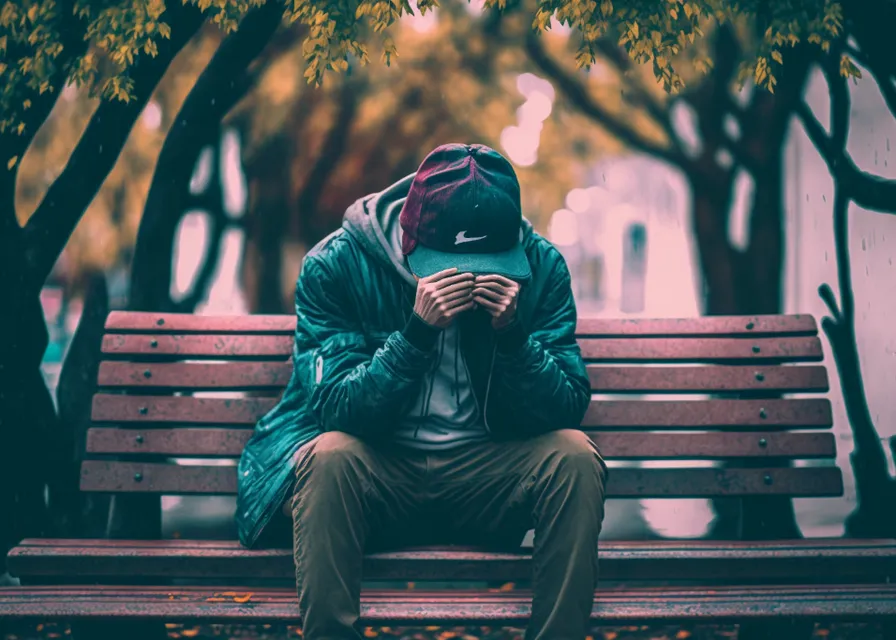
(332, 451)
(573, 453)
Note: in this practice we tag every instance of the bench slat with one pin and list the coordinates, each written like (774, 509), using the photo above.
(797, 349)
(614, 445)
(125, 321)
(826, 560)
(794, 349)
(710, 379)
(652, 414)
(226, 346)
(118, 477)
(199, 345)
(611, 606)
(710, 414)
(236, 376)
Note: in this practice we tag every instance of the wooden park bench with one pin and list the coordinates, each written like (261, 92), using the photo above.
(746, 393)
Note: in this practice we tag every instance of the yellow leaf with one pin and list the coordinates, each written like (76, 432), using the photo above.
(12, 162)
(682, 634)
(507, 586)
(243, 599)
(369, 632)
(776, 56)
(190, 633)
(610, 635)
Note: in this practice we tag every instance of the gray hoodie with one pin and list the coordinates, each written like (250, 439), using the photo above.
(445, 413)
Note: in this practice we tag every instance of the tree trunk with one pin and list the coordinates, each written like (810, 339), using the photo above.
(76, 513)
(28, 420)
(220, 86)
(268, 177)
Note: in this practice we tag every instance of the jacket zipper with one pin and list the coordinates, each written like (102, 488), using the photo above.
(488, 388)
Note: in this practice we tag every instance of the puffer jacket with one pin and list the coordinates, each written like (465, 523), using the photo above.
(354, 370)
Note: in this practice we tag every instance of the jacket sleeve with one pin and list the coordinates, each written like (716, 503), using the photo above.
(539, 378)
(352, 388)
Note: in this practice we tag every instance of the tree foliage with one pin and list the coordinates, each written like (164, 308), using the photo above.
(435, 92)
(47, 44)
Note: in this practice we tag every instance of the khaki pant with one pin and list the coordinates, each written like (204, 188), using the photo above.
(353, 496)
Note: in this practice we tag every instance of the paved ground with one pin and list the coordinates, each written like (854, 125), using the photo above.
(268, 632)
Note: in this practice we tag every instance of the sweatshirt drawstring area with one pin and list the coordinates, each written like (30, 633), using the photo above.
(430, 383)
(457, 370)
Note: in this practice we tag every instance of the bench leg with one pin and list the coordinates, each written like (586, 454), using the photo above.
(109, 629)
(778, 630)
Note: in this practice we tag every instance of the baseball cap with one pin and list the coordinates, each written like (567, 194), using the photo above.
(463, 210)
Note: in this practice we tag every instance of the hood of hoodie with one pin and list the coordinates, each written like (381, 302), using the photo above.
(374, 222)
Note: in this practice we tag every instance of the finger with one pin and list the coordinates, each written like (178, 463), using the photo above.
(460, 309)
(494, 286)
(438, 276)
(494, 277)
(462, 294)
(451, 280)
(458, 286)
(490, 294)
(492, 307)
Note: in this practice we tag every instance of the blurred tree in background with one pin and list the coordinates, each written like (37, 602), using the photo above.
(78, 75)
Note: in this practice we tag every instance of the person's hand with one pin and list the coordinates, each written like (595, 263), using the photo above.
(497, 295)
(442, 296)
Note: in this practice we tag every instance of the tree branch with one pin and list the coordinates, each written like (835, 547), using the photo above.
(332, 150)
(212, 202)
(71, 29)
(865, 189)
(577, 93)
(219, 87)
(49, 228)
(637, 93)
(883, 77)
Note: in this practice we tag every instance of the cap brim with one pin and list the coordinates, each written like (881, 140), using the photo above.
(512, 264)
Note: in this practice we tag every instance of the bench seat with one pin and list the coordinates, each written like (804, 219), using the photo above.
(730, 409)
(155, 561)
(456, 606)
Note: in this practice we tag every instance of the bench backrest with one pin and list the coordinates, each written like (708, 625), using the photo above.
(175, 387)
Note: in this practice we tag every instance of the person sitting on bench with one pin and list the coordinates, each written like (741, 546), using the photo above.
(436, 397)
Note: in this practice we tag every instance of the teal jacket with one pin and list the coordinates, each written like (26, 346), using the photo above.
(356, 371)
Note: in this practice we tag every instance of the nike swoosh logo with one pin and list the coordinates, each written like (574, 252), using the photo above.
(462, 238)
